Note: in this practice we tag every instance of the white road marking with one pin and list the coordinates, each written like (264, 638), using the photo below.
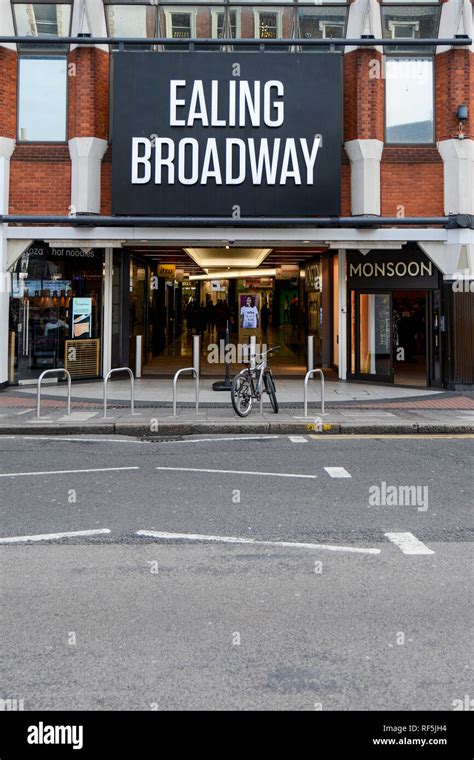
(228, 438)
(408, 543)
(77, 417)
(297, 439)
(52, 536)
(252, 541)
(64, 472)
(337, 472)
(238, 472)
(25, 411)
(60, 439)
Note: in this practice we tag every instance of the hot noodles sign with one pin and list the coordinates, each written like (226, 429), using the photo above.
(222, 134)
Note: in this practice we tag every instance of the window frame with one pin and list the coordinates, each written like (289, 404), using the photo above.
(279, 19)
(45, 55)
(175, 9)
(224, 9)
(410, 56)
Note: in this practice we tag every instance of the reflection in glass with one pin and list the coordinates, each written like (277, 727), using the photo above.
(42, 98)
(375, 334)
(409, 110)
(42, 20)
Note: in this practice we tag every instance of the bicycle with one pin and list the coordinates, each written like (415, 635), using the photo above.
(247, 386)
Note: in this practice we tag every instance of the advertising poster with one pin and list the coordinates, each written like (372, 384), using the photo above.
(82, 317)
(249, 314)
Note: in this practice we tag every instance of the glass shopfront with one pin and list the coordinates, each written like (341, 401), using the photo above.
(56, 313)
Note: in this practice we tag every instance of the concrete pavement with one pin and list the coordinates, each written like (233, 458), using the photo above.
(350, 408)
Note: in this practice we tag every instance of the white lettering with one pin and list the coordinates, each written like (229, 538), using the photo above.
(290, 154)
(257, 166)
(198, 101)
(138, 161)
(268, 105)
(175, 103)
(310, 158)
(240, 144)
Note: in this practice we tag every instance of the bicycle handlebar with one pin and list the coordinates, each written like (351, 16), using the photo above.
(269, 351)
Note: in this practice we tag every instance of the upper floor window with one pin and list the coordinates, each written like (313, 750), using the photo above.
(268, 24)
(42, 19)
(42, 71)
(409, 21)
(42, 99)
(409, 100)
(268, 19)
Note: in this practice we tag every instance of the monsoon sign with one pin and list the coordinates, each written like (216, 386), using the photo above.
(215, 134)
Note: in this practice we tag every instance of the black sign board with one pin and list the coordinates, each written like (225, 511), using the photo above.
(226, 134)
(387, 270)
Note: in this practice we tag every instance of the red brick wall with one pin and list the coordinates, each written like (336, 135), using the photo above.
(88, 91)
(363, 96)
(40, 179)
(106, 186)
(454, 86)
(7, 92)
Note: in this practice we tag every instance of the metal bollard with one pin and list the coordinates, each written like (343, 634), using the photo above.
(138, 355)
(310, 358)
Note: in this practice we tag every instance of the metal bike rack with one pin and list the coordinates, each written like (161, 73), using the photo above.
(132, 388)
(307, 376)
(53, 372)
(264, 361)
(194, 369)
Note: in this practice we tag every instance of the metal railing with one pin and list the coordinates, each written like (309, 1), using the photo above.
(175, 381)
(459, 40)
(40, 379)
(194, 369)
(132, 387)
(307, 376)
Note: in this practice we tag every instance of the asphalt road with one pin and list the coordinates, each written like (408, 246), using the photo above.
(335, 603)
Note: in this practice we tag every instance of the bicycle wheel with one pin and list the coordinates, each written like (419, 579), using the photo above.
(270, 389)
(241, 394)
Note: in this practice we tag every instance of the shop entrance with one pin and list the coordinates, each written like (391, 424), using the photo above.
(389, 337)
(201, 291)
(409, 337)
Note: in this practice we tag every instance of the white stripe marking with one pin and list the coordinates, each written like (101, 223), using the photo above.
(297, 439)
(408, 543)
(252, 541)
(229, 438)
(64, 472)
(238, 472)
(25, 411)
(52, 536)
(337, 472)
(60, 439)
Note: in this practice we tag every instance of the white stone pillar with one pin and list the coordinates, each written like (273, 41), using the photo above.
(364, 18)
(107, 312)
(365, 157)
(342, 315)
(7, 146)
(456, 18)
(458, 160)
(86, 157)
